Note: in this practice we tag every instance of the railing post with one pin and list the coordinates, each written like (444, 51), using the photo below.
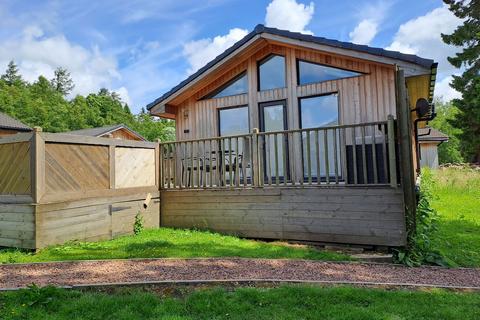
(255, 158)
(391, 151)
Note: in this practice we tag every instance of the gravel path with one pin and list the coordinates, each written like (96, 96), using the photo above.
(150, 270)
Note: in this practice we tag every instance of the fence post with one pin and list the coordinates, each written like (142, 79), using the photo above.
(111, 158)
(255, 159)
(37, 164)
(391, 151)
(159, 167)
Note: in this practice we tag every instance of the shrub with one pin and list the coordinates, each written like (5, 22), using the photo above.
(420, 249)
(138, 225)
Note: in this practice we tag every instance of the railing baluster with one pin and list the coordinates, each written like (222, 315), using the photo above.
(309, 158)
(284, 158)
(245, 161)
(230, 165)
(277, 178)
(317, 156)
(204, 165)
(174, 147)
(374, 155)
(223, 158)
(343, 151)
(335, 154)
(292, 159)
(237, 164)
(384, 150)
(269, 158)
(354, 153)
(364, 157)
(191, 176)
(327, 164)
(199, 173)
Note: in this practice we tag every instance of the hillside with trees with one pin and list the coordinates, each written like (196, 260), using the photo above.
(44, 103)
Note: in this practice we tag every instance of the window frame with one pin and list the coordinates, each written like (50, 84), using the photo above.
(219, 134)
(265, 59)
(316, 96)
(216, 91)
(298, 60)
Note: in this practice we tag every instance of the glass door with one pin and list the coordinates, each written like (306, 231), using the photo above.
(273, 117)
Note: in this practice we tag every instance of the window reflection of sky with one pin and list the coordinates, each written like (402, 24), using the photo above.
(233, 121)
(239, 86)
(319, 111)
(272, 73)
(312, 73)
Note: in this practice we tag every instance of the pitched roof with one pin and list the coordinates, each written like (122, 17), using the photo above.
(259, 29)
(429, 134)
(100, 131)
(7, 122)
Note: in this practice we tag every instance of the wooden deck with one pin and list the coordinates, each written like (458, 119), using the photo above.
(373, 216)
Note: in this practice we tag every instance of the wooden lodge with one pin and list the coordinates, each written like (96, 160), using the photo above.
(282, 136)
(119, 131)
(291, 136)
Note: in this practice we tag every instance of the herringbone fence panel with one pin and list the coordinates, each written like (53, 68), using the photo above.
(15, 168)
(74, 167)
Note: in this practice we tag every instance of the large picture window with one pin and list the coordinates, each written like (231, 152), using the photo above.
(238, 85)
(309, 72)
(320, 111)
(271, 73)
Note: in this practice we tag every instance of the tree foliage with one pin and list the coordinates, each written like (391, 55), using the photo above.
(467, 36)
(448, 152)
(62, 82)
(43, 103)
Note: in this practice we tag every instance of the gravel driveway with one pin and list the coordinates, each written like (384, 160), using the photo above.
(151, 270)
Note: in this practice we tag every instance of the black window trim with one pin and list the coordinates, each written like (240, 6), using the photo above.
(213, 93)
(298, 60)
(322, 178)
(265, 59)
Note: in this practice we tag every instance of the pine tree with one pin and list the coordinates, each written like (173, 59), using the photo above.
(12, 76)
(62, 82)
(467, 36)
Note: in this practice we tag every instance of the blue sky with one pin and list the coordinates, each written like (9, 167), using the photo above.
(143, 48)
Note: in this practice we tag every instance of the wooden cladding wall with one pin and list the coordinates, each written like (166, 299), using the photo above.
(134, 167)
(366, 98)
(75, 168)
(368, 216)
(15, 169)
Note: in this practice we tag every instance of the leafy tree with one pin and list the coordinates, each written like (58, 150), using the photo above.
(12, 76)
(467, 36)
(448, 152)
(42, 104)
(62, 82)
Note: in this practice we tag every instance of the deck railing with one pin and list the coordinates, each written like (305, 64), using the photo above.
(358, 154)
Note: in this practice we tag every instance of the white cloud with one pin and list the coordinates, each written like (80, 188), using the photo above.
(289, 15)
(364, 32)
(443, 89)
(422, 36)
(123, 93)
(37, 54)
(200, 52)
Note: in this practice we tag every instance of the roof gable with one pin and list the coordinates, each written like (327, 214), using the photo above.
(100, 131)
(9, 123)
(282, 36)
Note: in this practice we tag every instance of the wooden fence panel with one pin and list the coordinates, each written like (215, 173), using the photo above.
(15, 173)
(73, 168)
(134, 167)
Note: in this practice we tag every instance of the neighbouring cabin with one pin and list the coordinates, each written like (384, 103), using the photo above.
(429, 140)
(9, 126)
(291, 136)
(119, 131)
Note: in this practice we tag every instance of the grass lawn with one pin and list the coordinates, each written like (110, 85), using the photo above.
(171, 243)
(457, 200)
(287, 302)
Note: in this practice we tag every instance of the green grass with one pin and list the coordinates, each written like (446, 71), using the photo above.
(457, 200)
(171, 243)
(287, 302)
